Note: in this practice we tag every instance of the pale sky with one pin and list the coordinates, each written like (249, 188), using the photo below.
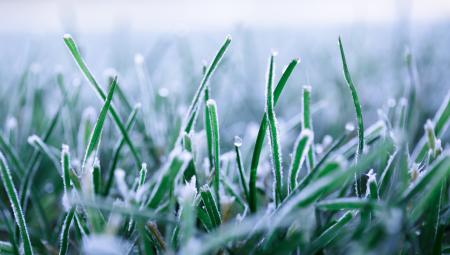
(139, 15)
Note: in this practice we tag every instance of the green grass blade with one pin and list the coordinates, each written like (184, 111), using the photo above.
(166, 181)
(386, 175)
(301, 148)
(94, 140)
(96, 177)
(329, 234)
(37, 142)
(208, 130)
(214, 122)
(14, 202)
(356, 103)
(70, 43)
(64, 239)
(307, 123)
(129, 124)
(210, 205)
(6, 248)
(273, 135)
(262, 133)
(65, 165)
(240, 165)
(191, 114)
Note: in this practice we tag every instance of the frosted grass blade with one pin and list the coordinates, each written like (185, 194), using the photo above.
(64, 239)
(210, 206)
(307, 123)
(301, 148)
(214, 122)
(273, 135)
(262, 133)
(14, 202)
(237, 145)
(356, 103)
(70, 43)
(94, 140)
(343, 203)
(129, 124)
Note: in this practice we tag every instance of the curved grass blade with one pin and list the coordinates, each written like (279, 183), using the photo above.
(386, 175)
(14, 202)
(70, 43)
(214, 123)
(302, 146)
(307, 123)
(262, 132)
(356, 103)
(273, 135)
(64, 240)
(237, 145)
(129, 124)
(191, 114)
(94, 140)
(6, 248)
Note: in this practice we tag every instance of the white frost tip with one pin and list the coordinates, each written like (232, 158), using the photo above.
(307, 132)
(349, 127)
(188, 192)
(429, 125)
(32, 139)
(211, 102)
(138, 105)
(371, 176)
(65, 149)
(298, 60)
(307, 88)
(228, 38)
(274, 53)
(67, 36)
(138, 59)
(237, 141)
(144, 166)
(163, 92)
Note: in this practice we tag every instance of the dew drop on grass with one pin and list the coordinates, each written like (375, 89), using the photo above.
(237, 141)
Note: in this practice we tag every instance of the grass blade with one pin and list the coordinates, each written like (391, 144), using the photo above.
(94, 141)
(14, 202)
(167, 178)
(237, 145)
(70, 43)
(129, 124)
(329, 234)
(273, 135)
(64, 240)
(210, 205)
(302, 146)
(191, 114)
(262, 132)
(356, 103)
(307, 123)
(214, 122)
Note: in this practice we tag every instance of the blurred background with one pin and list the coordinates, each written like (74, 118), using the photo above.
(175, 37)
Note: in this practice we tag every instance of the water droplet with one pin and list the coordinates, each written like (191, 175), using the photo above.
(237, 141)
